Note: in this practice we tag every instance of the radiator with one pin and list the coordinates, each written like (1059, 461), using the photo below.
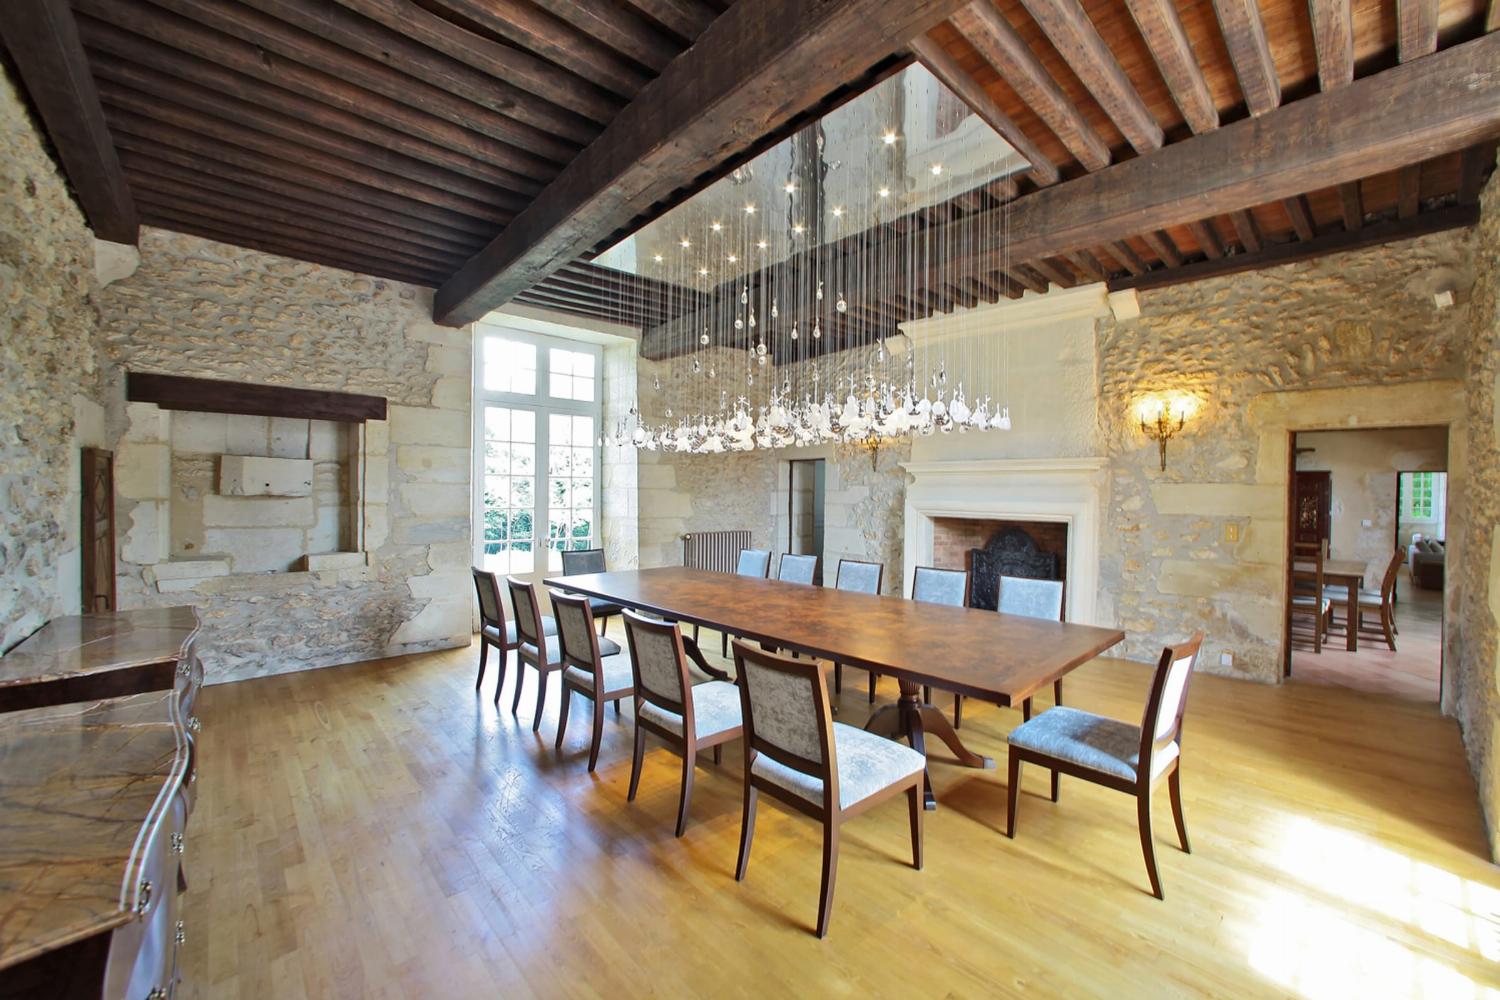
(714, 550)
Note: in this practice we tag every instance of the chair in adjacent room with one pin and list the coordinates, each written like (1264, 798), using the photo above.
(1019, 595)
(798, 755)
(1115, 754)
(668, 705)
(935, 586)
(494, 630)
(1309, 599)
(1381, 604)
(533, 647)
(586, 670)
(578, 562)
(859, 577)
(751, 562)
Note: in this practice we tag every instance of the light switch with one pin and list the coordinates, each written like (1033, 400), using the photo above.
(1367, 523)
(1231, 532)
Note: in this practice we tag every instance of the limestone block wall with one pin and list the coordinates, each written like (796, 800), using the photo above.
(50, 366)
(620, 484)
(200, 308)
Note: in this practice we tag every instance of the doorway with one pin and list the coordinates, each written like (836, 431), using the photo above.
(1369, 511)
(806, 487)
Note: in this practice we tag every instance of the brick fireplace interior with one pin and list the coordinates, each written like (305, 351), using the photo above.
(953, 538)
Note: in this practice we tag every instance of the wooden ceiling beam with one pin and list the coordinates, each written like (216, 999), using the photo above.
(1247, 230)
(953, 76)
(1021, 275)
(42, 39)
(688, 18)
(1408, 190)
(1274, 254)
(505, 62)
(1161, 244)
(1473, 162)
(1056, 273)
(1128, 258)
(1300, 214)
(454, 147)
(616, 27)
(1207, 238)
(1245, 38)
(1068, 27)
(1351, 205)
(1087, 263)
(1333, 41)
(1165, 36)
(987, 30)
(1416, 28)
(754, 72)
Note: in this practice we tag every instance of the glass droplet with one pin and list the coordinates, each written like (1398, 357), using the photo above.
(795, 334)
(817, 331)
(820, 291)
(841, 305)
(703, 339)
(774, 311)
(761, 360)
(750, 379)
(712, 372)
(752, 320)
(786, 385)
(745, 295)
(656, 382)
(739, 324)
(760, 349)
(669, 413)
(697, 365)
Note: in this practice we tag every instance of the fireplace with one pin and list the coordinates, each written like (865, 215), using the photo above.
(990, 548)
(955, 507)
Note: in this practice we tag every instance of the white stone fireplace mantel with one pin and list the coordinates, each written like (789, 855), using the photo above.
(1067, 490)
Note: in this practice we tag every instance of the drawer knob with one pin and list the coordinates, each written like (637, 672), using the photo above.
(145, 900)
(194, 725)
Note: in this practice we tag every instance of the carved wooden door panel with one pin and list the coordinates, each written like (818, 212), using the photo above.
(1314, 502)
(98, 538)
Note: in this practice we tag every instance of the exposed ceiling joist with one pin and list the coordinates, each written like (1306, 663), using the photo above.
(1162, 29)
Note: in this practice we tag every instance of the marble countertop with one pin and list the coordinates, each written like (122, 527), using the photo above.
(83, 645)
(79, 784)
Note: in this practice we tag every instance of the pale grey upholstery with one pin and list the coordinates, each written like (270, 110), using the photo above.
(576, 562)
(1309, 601)
(753, 562)
(939, 586)
(617, 675)
(859, 577)
(523, 602)
(661, 672)
(797, 569)
(716, 707)
(783, 710)
(573, 624)
(866, 763)
(549, 627)
(1032, 598)
(607, 647)
(1094, 742)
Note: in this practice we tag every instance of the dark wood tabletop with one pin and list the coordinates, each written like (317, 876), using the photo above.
(981, 654)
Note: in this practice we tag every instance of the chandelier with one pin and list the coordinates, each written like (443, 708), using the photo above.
(794, 288)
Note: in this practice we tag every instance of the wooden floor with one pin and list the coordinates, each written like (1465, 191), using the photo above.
(1412, 671)
(379, 830)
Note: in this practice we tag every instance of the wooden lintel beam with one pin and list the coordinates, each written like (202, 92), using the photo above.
(1286, 253)
(1333, 40)
(1245, 38)
(1351, 205)
(1246, 229)
(756, 70)
(42, 39)
(205, 395)
(1162, 29)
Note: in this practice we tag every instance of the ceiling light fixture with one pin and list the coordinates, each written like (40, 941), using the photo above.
(790, 188)
(937, 168)
(885, 192)
(686, 243)
(889, 138)
(716, 226)
(749, 209)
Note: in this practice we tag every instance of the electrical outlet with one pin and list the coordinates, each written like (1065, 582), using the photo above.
(1226, 659)
(1231, 532)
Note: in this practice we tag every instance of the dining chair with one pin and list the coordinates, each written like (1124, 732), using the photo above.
(1381, 603)
(797, 754)
(751, 562)
(1309, 598)
(797, 568)
(935, 586)
(533, 648)
(859, 577)
(577, 562)
(1116, 754)
(687, 717)
(586, 671)
(494, 630)
(1035, 599)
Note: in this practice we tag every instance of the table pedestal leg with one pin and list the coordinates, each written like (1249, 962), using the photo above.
(912, 719)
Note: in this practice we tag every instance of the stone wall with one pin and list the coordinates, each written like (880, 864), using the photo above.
(50, 363)
(199, 308)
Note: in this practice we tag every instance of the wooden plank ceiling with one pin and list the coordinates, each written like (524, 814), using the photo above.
(400, 137)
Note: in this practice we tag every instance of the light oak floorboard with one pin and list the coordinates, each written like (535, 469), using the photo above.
(381, 830)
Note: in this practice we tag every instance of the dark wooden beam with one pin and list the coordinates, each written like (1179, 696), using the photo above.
(1416, 28)
(613, 25)
(1286, 253)
(1088, 264)
(1128, 258)
(1300, 214)
(1245, 37)
(993, 37)
(1207, 238)
(687, 18)
(953, 76)
(1351, 205)
(1076, 39)
(207, 395)
(1162, 29)
(1473, 162)
(755, 71)
(42, 39)
(1021, 275)
(1333, 40)
(1246, 229)
(1409, 190)
(1054, 272)
(1161, 244)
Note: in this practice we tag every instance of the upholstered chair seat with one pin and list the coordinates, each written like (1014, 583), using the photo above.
(607, 647)
(867, 764)
(549, 627)
(716, 709)
(1092, 741)
(616, 667)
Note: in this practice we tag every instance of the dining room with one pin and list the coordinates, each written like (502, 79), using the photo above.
(567, 498)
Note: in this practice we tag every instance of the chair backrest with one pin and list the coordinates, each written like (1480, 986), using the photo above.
(1306, 569)
(1019, 595)
(1164, 706)
(940, 586)
(577, 642)
(579, 561)
(753, 562)
(859, 576)
(528, 612)
(659, 665)
(491, 611)
(784, 703)
(1388, 582)
(797, 569)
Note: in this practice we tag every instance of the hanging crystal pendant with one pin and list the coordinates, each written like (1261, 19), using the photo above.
(795, 334)
(712, 372)
(697, 366)
(817, 330)
(841, 305)
(820, 290)
(760, 348)
(752, 319)
(744, 295)
(774, 311)
(739, 324)
(750, 379)
(761, 360)
(703, 338)
(656, 382)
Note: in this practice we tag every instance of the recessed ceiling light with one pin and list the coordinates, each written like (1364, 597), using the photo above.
(762, 244)
(889, 138)
(838, 212)
(703, 270)
(686, 244)
(790, 188)
(937, 168)
(657, 258)
(732, 258)
(885, 192)
(749, 209)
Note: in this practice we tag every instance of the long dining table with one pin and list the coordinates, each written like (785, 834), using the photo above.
(1000, 658)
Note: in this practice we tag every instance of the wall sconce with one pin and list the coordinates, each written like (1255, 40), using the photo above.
(1163, 416)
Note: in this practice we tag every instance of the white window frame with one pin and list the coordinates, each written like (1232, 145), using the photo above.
(1439, 498)
(543, 405)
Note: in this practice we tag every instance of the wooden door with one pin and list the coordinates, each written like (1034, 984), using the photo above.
(1312, 505)
(98, 538)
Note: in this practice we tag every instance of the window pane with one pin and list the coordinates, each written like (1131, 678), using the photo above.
(583, 430)
(497, 423)
(560, 429)
(557, 493)
(522, 425)
(509, 366)
(583, 461)
(560, 362)
(522, 459)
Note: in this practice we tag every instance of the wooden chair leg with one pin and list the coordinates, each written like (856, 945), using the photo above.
(484, 656)
(603, 623)
(515, 703)
(724, 644)
(636, 754)
(562, 716)
(915, 807)
(1056, 786)
(958, 710)
(830, 871)
(838, 678)
(873, 676)
(1143, 813)
(718, 753)
(747, 830)
(1057, 693)
(1012, 792)
(617, 708)
(1387, 621)
(541, 699)
(598, 734)
(1026, 710)
(689, 763)
(1174, 785)
(927, 694)
(1318, 632)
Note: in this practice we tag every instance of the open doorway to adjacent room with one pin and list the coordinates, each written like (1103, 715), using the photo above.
(1369, 511)
(806, 487)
